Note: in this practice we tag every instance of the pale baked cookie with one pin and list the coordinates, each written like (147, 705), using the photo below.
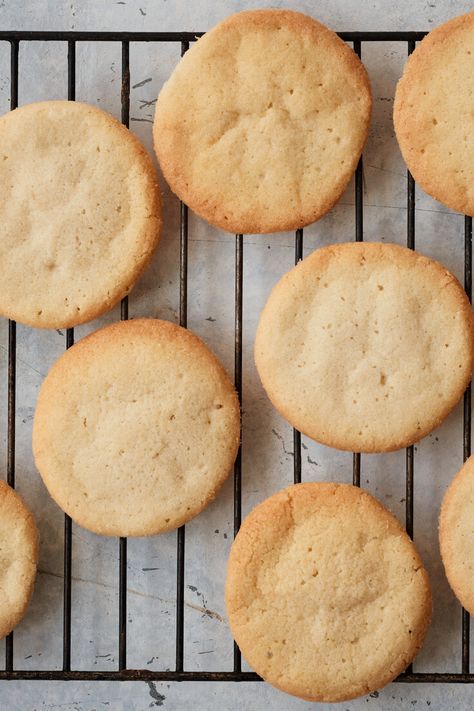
(136, 428)
(18, 558)
(262, 122)
(433, 115)
(326, 594)
(80, 213)
(456, 534)
(365, 346)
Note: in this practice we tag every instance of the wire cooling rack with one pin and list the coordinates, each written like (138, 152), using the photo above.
(179, 673)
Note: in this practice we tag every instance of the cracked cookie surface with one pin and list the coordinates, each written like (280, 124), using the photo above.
(136, 428)
(261, 124)
(326, 594)
(366, 347)
(80, 215)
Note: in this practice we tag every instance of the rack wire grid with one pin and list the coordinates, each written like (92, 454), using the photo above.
(14, 38)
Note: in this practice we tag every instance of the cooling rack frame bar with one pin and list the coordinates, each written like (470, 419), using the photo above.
(209, 676)
(71, 38)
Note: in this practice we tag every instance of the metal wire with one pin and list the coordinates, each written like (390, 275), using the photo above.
(296, 434)
(122, 651)
(466, 620)
(150, 675)
(67, 555)
(178, 674)
(183, 321)
(78, 36)
(238, 321)
(14, 52)
(409, 455)
(359, 236)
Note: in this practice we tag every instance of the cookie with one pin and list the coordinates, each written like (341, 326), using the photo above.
(326, 594)
(456, 534)
(80, 214)
(433, 115)
(18, 558)
(136, 428)
(262, 123)
(366, 347)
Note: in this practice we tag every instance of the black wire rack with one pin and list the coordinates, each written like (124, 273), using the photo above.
(122, 673)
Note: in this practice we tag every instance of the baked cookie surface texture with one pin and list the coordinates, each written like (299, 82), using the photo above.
(18, 558)
(136, 428)
(261, 124)
(456, 534)
(326, 594)
(80, 214)
(366, 347)
(433, 115)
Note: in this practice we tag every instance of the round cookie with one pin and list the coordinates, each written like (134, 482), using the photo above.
(18, 558)
(136, 428)
(261, 124)
(456, 534)
(366, 347)
(433, 116)
(326, 594)
(80, 214)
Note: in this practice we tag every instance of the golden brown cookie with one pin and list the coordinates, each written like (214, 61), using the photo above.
(136, 428)
(326, 594)
(261, 124)
(80, 214)
(456, 534)
(18, 558)
(366, 346)
(433, 115)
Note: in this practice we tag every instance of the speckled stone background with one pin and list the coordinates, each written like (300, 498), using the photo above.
(267, 439)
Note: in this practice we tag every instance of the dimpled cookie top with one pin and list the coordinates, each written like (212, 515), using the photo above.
(366, 346)
(262, 122)
(80, 214)
(326, 594)
(136, 428)
(434, 117)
